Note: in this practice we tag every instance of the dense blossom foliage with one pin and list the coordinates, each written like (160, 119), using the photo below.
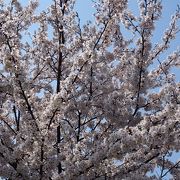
(85, 102)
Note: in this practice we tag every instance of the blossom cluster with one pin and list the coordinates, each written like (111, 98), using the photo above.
(83, 102)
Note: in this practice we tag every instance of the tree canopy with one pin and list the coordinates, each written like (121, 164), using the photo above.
(84, 102)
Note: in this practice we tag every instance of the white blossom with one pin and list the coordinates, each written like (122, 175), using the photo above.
(83, 102)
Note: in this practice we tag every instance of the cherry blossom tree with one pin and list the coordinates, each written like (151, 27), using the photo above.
(84, 102)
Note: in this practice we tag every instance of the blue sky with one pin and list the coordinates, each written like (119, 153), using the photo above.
(85, 10)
